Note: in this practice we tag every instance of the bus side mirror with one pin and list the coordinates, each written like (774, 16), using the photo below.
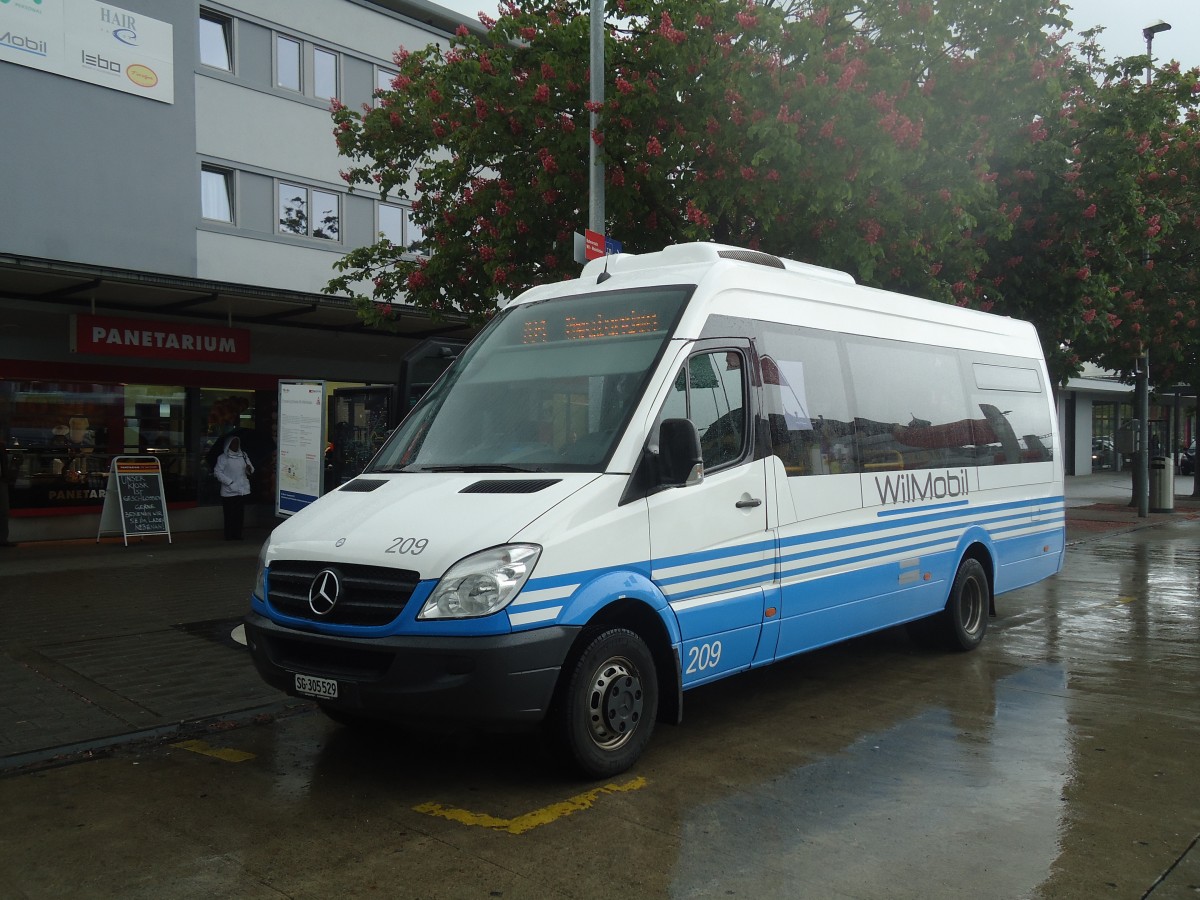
(679, 458)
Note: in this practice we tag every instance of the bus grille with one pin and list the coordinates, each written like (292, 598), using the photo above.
(369, 595)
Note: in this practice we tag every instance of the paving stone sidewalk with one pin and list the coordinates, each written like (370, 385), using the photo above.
(102, 644)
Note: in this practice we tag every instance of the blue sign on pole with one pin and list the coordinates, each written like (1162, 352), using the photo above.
(611, 246)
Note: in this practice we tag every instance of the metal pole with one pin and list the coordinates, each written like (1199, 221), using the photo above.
(1141, 480)
(1141, 472)
(595, 164)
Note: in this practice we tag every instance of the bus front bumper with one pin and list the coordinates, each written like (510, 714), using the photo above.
(493, 680)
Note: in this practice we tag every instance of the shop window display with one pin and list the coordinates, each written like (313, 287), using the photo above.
(63, 437)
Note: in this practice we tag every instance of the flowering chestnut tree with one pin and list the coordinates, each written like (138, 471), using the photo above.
(1102, 200)
(868, 136)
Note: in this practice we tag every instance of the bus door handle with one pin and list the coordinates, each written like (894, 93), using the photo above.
(748, 503)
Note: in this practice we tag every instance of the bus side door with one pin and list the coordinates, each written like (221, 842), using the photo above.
(711, 552)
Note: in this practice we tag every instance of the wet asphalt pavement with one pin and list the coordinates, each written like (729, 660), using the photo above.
(1060, 760)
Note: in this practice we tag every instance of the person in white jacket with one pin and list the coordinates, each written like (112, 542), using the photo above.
(233, 470)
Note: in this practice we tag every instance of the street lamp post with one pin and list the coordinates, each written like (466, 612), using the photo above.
(1141, 385)
(595, 164)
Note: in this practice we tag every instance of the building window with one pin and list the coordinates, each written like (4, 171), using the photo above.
(325, 74)
(215, 40)
(383, 82)
(309, 212)
(306, 69)
(397, 225)
(216, 198)
(287, 63)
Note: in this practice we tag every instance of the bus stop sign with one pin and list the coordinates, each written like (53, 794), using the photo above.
(596, 245)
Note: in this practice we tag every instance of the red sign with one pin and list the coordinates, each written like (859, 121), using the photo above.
(109, 336)
(593, 244)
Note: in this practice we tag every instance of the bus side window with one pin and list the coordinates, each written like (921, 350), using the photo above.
(805, 402)
(719, 406)
(713, 395)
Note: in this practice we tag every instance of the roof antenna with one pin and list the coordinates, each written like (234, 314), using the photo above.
(603, 276)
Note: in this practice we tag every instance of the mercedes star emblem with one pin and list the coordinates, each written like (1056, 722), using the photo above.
(324, 591)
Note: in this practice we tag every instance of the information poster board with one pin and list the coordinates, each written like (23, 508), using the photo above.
(134, 502)
(301, 454)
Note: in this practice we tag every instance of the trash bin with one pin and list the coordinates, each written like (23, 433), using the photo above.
(1162, 485)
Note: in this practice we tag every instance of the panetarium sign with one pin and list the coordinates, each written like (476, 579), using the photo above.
(108, 336)
(92, 42)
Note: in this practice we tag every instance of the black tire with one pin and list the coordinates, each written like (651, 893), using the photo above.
(608, 704)
(965, 619)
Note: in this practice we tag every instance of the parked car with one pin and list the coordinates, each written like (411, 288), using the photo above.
(1103, 454)
(1187, 460)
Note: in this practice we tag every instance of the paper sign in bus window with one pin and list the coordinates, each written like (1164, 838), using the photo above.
(793, 397)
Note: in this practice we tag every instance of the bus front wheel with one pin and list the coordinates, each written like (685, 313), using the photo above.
(965, 619)
(609, 703)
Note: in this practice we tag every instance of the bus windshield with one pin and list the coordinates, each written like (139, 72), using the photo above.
(547, 386)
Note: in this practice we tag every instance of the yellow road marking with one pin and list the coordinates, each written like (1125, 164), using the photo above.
(225, 753)
(530, 820)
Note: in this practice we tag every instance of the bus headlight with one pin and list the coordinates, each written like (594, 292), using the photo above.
(260, 577)
(481, 584)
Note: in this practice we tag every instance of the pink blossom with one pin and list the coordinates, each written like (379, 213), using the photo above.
(668, 30)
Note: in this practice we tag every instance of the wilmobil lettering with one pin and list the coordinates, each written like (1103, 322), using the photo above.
(912, 487)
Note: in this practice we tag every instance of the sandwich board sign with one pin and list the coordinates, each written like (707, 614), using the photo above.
(133, 501)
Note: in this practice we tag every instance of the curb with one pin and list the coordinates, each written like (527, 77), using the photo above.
(67, 754)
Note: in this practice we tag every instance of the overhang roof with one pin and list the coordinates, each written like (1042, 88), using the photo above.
(100, 289)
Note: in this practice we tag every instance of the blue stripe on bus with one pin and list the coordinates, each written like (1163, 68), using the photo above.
(900, 512)
(949, 522)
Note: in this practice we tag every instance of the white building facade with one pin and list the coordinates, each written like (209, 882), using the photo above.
(172, 208)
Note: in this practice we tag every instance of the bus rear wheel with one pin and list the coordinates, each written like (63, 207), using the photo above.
(608, 704)
(964, 621)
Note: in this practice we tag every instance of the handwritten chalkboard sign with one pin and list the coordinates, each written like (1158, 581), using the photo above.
(134, 498)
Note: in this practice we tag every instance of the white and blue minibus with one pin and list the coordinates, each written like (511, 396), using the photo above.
(677, 467)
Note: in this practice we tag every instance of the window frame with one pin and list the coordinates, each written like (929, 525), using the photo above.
(310, 231)
(277, 63)
(303, 81)
(336, 62)
(407, 227)
(225, 24)
(383, 82)
(228, 177)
